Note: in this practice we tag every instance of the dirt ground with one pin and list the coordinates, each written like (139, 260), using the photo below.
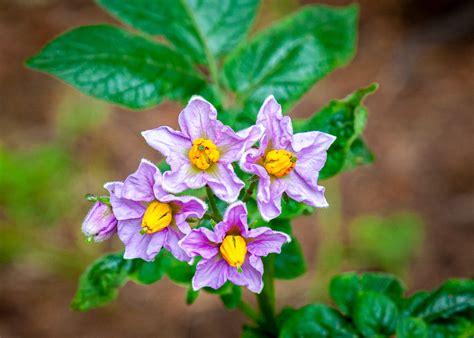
(421, 129)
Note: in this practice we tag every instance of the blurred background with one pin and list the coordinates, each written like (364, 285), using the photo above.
(411, 213)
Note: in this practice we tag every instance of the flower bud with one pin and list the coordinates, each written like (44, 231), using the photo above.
(100, 223)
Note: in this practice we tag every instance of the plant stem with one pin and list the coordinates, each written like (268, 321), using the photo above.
(249, 191)
(248, 310)
(266, 299)
(216, 215)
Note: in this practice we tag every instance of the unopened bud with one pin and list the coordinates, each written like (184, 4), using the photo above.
(100, 223)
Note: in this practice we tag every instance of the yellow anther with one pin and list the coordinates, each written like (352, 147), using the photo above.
(233, 249)
(157, 217)
(203, 153)
(279, 162)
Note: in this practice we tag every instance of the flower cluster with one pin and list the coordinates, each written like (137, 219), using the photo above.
(147, 214)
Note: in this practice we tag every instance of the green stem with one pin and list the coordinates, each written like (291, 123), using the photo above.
(249, 191)
(266, 299)
(216, 215)
(248, 311)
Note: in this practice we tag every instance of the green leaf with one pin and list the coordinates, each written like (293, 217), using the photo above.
(113, 65)
(180, 272)
(452, 328)
(252, 332)
(316, 320)
(452, 297)
(289, 57)
(290, 263)
(232, 299)
(412, 328)
(100, 282)
(358, 155)
(292, 209)
(345, 288)
(191, 296)
(195, 28)
(150, 272)
(345, 119)
(382, 283)
(375, 314)
(411, 305)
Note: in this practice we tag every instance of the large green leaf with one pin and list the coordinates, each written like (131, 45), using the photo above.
(100, 282)
(113, 65)
(290, 263)
(195, 27)
(412, 328)
(375, 314)
(180, 272)
(452, 297)
(316, 320)
(150, 272)
(346, 288)
(453, 328)
(345, 119)
(232, 299)
(288, 58)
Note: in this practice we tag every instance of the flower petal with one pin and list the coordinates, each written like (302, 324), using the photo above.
(269, 197)
(187, 207)
(139, 185)
(114, 188)
(311, 150)
(232, 145)
(184, 177)
(302, 190)
(173, 144)
(137, 245)
(171, 244)
(251, 275)
(278, 128)
(199, 119)
(235, 216)
(266, 241)
(122, 208)
(224, 182)
(200, 242)
(210, 272)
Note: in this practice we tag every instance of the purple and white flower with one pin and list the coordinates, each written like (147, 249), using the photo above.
(286, 162)
(203, 151)
(232, 251)
(150, 218)
(100, 223)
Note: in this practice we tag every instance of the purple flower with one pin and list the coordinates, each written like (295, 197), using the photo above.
(149, 218)
(100, 223)
(232, 251)
(203, 151)
(285, 162)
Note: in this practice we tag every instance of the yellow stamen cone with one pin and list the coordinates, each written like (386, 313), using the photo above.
(279, 163)
(157, 217)
(233, 249)
(203, 153)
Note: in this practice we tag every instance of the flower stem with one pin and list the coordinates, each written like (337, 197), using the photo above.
(266, 299)
(248, 310)
(216, 215)
(249, 191)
